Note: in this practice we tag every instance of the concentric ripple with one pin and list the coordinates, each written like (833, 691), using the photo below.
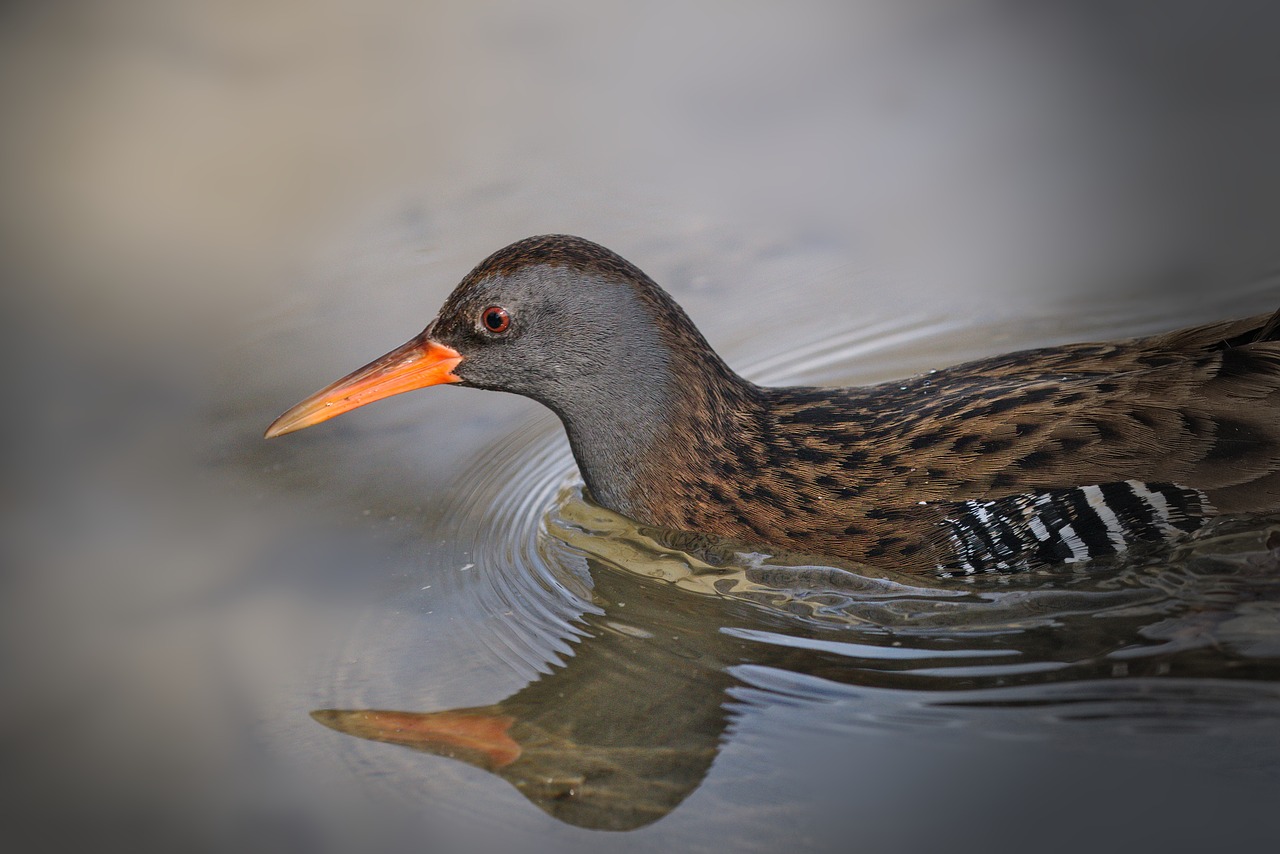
(532, 535)
(506, 494)
(529, 547)
(532, 604)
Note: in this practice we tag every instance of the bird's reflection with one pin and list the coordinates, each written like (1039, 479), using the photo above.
(620, 734)
(628, 727)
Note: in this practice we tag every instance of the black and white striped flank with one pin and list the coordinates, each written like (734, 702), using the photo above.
(1069, 525)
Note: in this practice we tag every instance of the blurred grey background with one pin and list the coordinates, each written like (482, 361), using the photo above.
(210, 209)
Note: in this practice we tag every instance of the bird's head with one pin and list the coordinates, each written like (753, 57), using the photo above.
(556, 318)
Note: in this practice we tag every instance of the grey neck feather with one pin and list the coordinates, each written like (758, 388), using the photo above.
(615, 405)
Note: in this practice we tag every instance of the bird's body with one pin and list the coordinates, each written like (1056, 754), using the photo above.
(1042, 456)
(1165, 431)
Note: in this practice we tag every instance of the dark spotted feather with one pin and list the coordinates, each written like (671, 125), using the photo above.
(900, 474)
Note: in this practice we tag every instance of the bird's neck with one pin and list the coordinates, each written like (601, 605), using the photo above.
(641, 418)
(628, 445)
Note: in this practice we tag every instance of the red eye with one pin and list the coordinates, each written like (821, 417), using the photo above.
(495, 319)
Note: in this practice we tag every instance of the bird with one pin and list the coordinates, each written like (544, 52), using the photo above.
(1036, 458)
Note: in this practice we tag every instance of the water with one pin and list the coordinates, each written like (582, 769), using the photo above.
(210, 212)
(650, 656)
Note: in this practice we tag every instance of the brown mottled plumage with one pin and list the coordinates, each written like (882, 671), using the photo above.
(1057, 454)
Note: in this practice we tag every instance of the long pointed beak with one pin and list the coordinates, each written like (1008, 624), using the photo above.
(416, 364)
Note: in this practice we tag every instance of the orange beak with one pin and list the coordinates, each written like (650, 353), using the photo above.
(417, 364)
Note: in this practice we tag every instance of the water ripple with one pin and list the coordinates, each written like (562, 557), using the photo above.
(633, 654)
(531, 542)
(532, 535)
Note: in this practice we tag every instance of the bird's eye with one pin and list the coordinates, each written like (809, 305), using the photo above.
(495, 319)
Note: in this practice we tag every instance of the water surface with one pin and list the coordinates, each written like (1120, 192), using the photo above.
(211, 210)
(647, 662)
